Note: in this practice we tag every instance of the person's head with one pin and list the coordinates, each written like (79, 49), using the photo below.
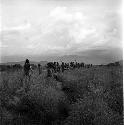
(27, 61)
(39, 65)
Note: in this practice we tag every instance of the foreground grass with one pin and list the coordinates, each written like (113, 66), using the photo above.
(91, 96)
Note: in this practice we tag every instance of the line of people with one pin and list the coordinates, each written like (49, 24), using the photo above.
(52, 69)
(55, 67)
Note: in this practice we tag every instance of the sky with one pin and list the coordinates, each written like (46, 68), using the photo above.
(59, 27)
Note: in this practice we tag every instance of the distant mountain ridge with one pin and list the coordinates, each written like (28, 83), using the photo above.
(99, 55)
(23, 62)
(69, 58)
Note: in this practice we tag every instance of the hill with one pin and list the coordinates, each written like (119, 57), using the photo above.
(22, 63)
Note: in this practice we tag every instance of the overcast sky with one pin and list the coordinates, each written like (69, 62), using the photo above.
(34, 27)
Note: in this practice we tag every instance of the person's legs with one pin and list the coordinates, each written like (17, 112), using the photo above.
(26, 81)
(26, 87)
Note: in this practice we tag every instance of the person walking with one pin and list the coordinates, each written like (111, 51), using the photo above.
(27, 68)
(39, 68)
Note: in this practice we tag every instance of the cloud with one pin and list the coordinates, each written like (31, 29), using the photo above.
(63, 14)
(68, 27)
(65, 30)
(24, 26)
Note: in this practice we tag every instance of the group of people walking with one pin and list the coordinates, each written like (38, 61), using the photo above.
(54, 67)
(28, 68)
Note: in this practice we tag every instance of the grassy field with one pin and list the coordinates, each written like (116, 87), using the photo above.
(92, 96)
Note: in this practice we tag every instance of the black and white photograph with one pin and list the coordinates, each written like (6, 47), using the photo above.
(61, 62)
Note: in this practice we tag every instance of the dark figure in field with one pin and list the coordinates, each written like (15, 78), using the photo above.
(72, 64)
(67, 66)
(50, 68)
(39, 68)
(58, 67)
(27, 68)
(82, 64)
(63, 66)
(49, 72)
(50, 65)
(55, 67)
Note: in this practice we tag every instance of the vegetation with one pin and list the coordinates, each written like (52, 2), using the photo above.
(84, 96)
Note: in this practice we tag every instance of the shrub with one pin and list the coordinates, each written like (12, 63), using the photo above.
(50, 99)
(44, 105)
(92, 110)
(81, 113)
(114, 98)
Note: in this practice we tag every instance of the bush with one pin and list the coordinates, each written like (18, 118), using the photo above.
(92, 110)
(114, 98)
(45, 105)
(50, 99)
(81, 113)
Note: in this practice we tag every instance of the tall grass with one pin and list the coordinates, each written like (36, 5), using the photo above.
(91, 96)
